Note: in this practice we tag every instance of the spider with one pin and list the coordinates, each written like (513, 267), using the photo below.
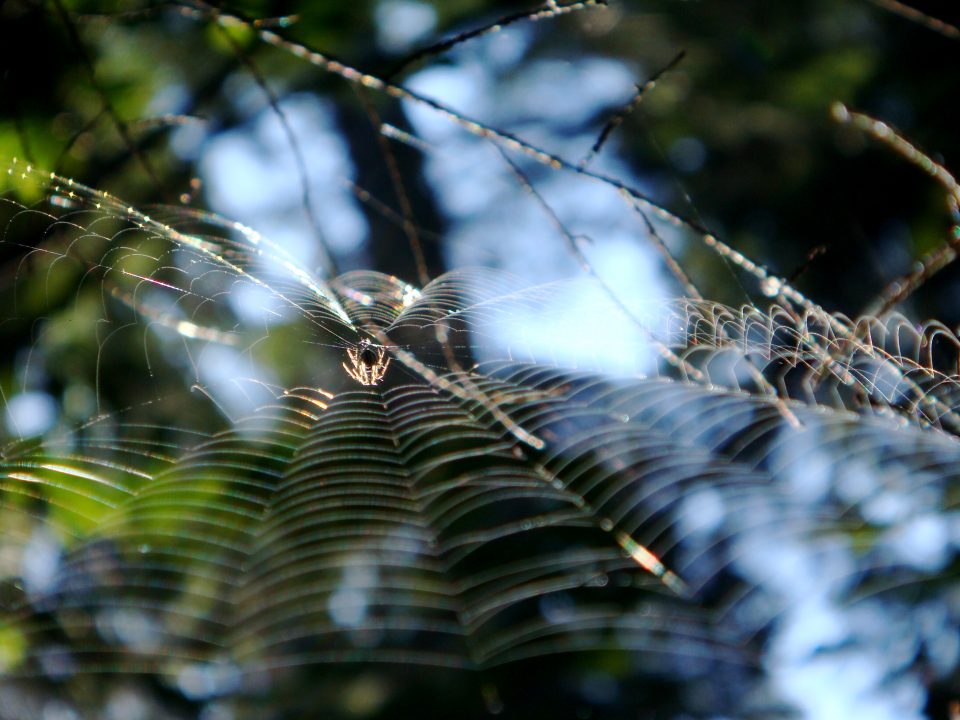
(368, 363)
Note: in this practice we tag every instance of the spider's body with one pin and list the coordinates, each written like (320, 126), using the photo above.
(368, 363)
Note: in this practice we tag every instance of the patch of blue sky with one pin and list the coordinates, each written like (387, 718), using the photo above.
(830, 657)
(493, 222)
(401, 24)
(30, 413)
(250, 174)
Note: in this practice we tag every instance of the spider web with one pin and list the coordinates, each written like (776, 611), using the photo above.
(235, 509)
(406, 522)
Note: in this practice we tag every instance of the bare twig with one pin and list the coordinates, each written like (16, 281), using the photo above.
(911, 13)
(903, 287)
(574, 246)
(549, 9)
(119, 123)
(399, 189)
(326, 257)
(614, 122)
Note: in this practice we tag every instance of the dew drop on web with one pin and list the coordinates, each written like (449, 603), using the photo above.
(771, 286)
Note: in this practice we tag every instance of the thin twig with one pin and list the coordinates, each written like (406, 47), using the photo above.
(673, 264)
(385, 211)
(513, 142)
(549, 9)
(912, 14)
(402, 136)
(808, 261)
(399, 189)
(118, 122)
(86, 127)
(326, 256)
(574, 246)
(614, 122)
(886, 134)
(903, 287)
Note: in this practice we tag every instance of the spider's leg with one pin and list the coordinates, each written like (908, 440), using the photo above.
(351, 373)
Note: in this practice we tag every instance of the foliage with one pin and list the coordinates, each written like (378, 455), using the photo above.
(246, 478)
